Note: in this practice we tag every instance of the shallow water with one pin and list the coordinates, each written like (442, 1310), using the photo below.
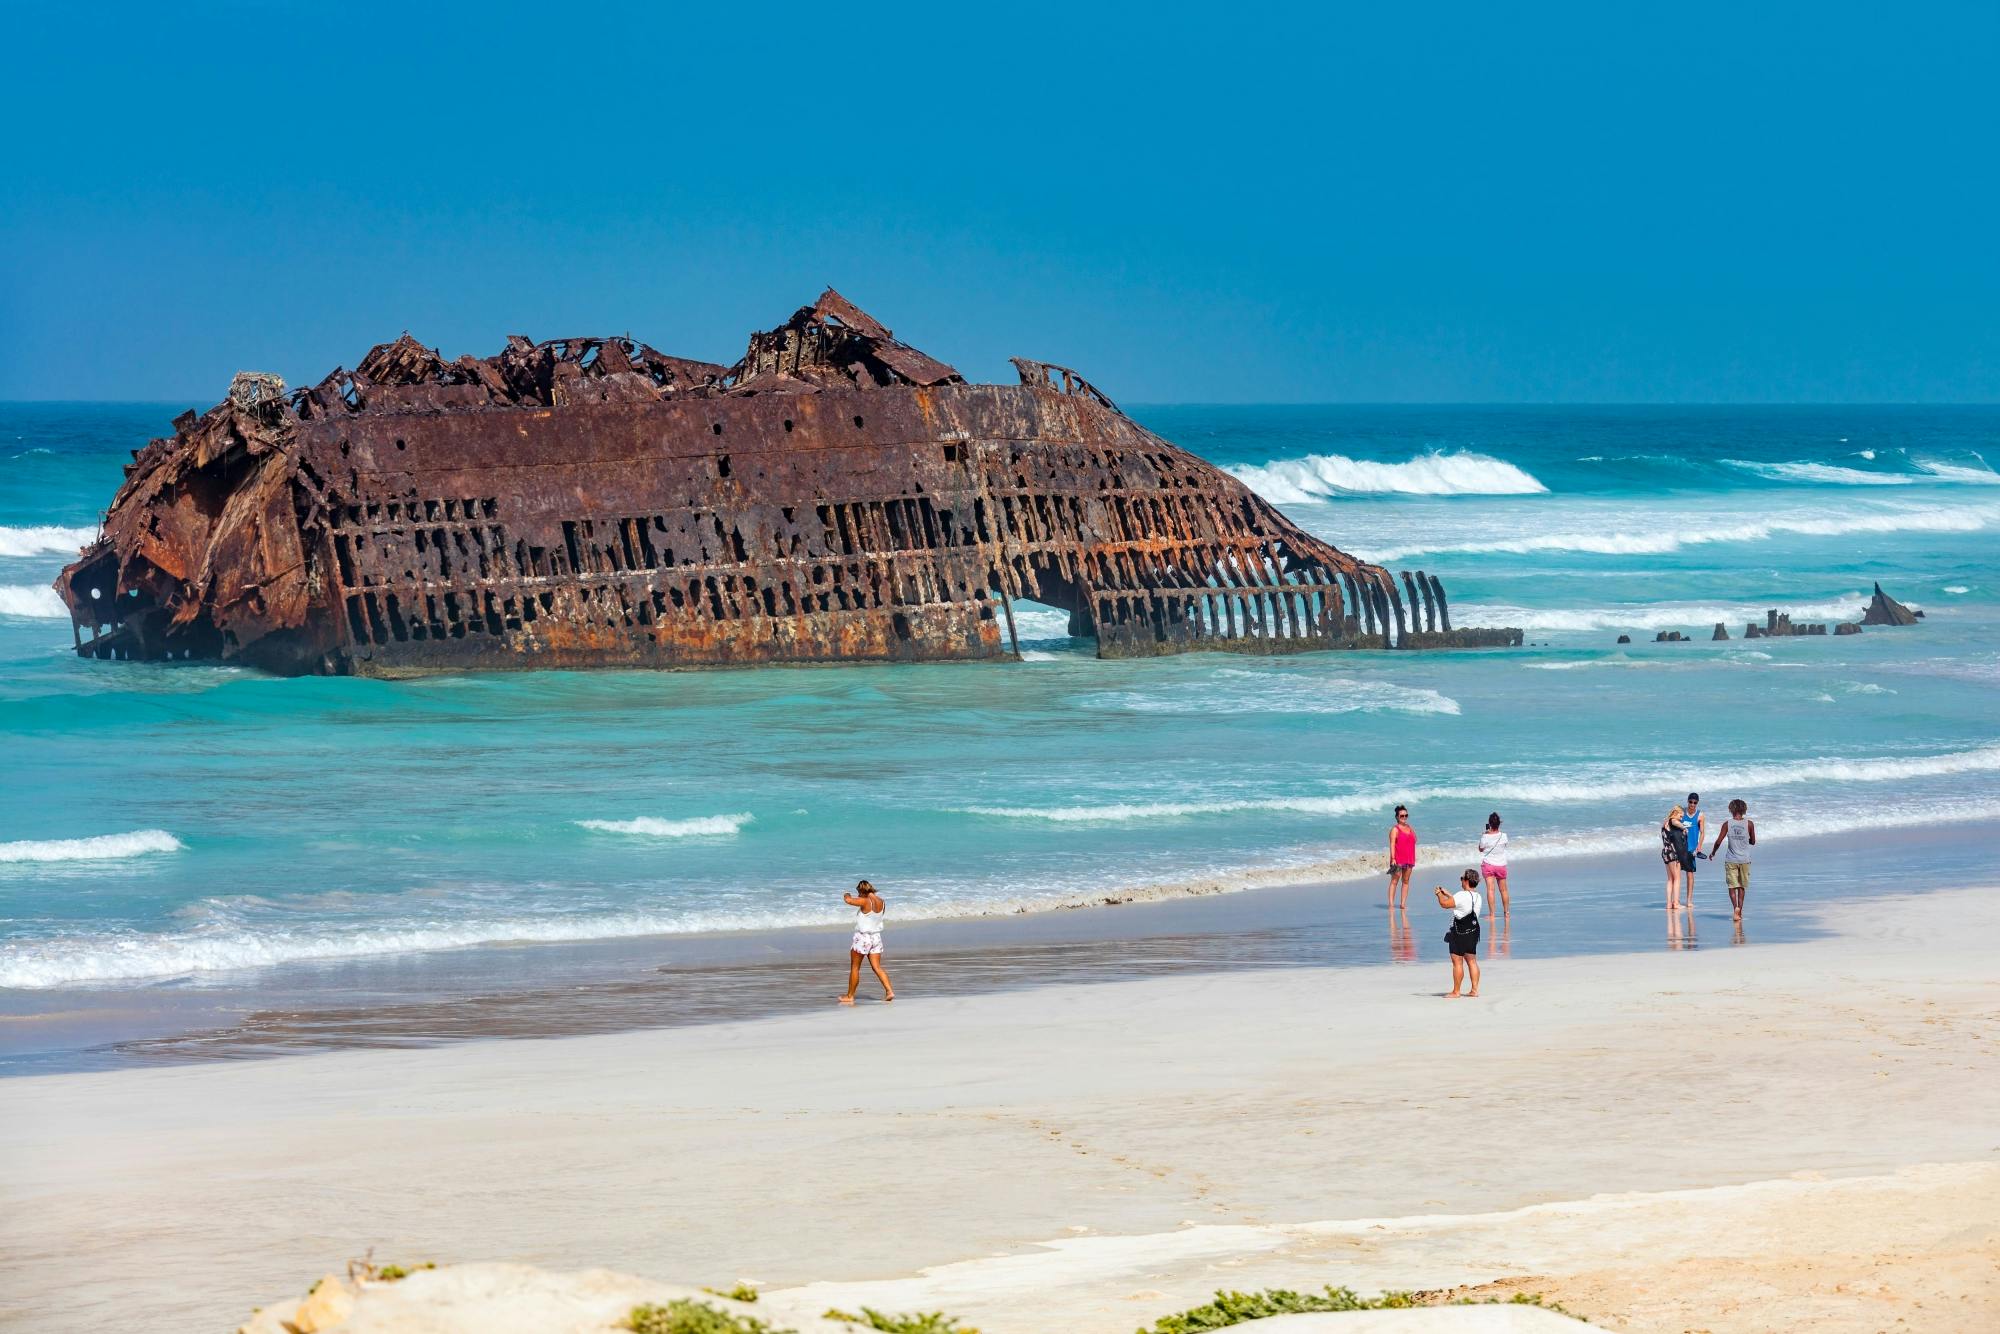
(201, 827)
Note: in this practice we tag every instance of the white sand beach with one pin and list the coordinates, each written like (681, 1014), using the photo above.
(1722, 1139)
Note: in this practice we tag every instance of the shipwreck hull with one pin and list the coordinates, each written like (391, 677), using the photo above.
(798, 508)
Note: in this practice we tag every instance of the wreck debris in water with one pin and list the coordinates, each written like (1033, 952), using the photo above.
(836, 495)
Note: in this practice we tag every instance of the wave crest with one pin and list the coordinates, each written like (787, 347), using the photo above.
(1318, 476)
(1653, 615)
(44, 539)
(1257, 692)
(1659, 540)
(30, 600)
(103, 847)
(1612, 784)
(701, 826)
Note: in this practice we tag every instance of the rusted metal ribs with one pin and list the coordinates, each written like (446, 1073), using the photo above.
(836, 495)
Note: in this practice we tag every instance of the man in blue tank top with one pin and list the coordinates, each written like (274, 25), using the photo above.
(1697, 829)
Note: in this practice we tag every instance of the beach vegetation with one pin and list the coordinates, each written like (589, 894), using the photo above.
(742, 1292)
(1235, 1308)
(932, 1322)
(390, 1273)
(686, 1316)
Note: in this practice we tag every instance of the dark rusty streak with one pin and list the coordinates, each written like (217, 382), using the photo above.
(591, 502)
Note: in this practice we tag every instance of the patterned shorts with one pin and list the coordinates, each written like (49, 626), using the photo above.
(867, 942)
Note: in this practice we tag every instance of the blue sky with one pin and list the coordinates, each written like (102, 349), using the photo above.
(1418, 202)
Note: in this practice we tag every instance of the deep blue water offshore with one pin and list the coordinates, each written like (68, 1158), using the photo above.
(203, 825)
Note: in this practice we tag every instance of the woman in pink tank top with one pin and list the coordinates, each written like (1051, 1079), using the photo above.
(1402, 857)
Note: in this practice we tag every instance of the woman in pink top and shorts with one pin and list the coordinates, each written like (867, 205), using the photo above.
(1493, 861)
(1402, 857)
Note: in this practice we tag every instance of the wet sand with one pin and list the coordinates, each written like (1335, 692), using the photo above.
(1125, 1146)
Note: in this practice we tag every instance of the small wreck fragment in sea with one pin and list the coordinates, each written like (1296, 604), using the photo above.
(836, 495)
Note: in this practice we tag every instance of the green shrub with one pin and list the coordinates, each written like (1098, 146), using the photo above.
(933, 1322)
(1234, 1308)
(742, 1292)
(682, 1316)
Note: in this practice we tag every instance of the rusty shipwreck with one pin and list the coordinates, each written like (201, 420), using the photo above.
(836, 495)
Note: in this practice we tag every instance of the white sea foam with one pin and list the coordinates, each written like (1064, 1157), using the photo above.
(1233, 691)
(44, 539)
(1609, 784)
(1033, 621)
(1790, 825)
(1660, 537)
(1956, 588)
(1823, 474)
(31, 600)
(1317, 476)
(1959, 472)
(701, 826)
(1653, 615)
(103, 847)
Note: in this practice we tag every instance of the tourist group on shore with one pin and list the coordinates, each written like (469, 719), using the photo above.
(1682, 834)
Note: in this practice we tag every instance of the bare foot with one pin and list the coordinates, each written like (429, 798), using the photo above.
(1470, 994)
(847, 1000)
(1452, 995)
(886, 999)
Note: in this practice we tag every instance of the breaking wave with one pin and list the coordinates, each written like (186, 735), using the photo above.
(44, 539)
(1655, 615)
(104, 847)
(1235, 691)
(29, 600)
(1615, 783)
(1659, 539)
(1318, 476)
(1821, 474)
(702, 826)
(1959, 472)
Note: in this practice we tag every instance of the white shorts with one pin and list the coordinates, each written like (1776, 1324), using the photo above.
(867, 942)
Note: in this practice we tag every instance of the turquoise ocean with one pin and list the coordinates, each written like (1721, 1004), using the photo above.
(206, 826)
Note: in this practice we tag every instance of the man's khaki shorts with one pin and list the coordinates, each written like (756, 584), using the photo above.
(1736, 875)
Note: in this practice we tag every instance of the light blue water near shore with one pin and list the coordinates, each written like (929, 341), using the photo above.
(183, 824)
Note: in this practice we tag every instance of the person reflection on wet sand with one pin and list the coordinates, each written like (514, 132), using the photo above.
(1680, 931)
(1402, 939)
(1500, 944)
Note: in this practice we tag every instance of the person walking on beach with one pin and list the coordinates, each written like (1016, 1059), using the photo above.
(1674, 851)
(1402, 858)
(867, 942)
(1493, 862)
(1740, 833)
(1697, 829)
(1462, 939)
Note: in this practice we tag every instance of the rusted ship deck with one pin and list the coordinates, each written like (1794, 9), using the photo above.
(836, 495)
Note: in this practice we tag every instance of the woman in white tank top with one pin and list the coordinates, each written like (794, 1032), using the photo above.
(869, 914)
